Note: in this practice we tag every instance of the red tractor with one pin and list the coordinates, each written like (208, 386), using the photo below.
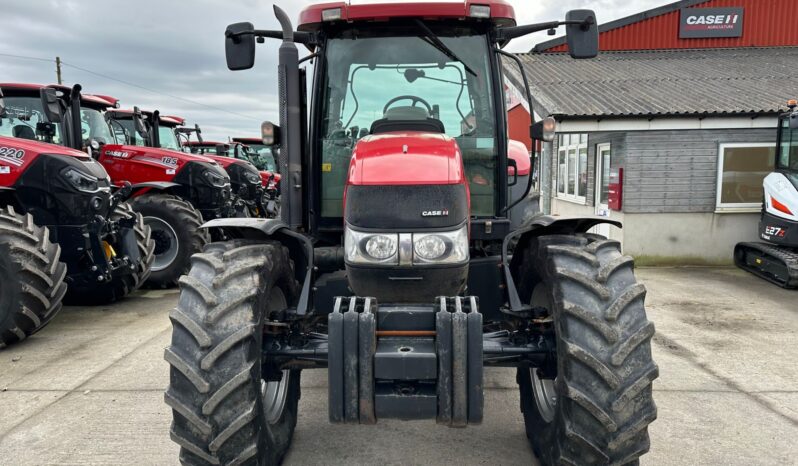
(265, 158)
(394, 265)
(62, 230)
(248, 192)
(174, 191)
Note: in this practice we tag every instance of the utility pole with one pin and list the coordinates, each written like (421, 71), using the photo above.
(58, 69)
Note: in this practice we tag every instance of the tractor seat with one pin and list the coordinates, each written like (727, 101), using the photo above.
(24, 132)
(407, 118)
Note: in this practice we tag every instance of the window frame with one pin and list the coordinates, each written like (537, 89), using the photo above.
(581, 142)
(738, 207)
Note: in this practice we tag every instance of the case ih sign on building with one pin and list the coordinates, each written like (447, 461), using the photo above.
(699, 23)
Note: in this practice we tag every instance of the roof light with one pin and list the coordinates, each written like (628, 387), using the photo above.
(792, 103)
(479, 11)
(331, 14)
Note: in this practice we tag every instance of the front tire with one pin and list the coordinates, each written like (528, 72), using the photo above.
(176, 231)
(223, 411)
(122, 285)
(31, 277)
(597, 408)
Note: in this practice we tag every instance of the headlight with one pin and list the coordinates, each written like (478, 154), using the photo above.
(215, 179)
(253, 178)
(446, 247)
(81, 181)
(449, 247)
(370, 248)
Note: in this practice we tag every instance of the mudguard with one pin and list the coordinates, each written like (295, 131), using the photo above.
(299, 246)
(542, 225)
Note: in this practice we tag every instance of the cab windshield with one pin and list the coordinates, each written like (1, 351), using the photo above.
(125, 131)
(397, 76)
(94, 126)
(788, 152)
(262, 157)
(24, 118)
(168, 138)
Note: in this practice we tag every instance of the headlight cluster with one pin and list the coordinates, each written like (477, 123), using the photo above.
(81, 181)
(253, 178)
(447, 247)
(215, 179)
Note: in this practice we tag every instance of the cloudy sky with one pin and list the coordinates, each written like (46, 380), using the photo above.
(169, 54)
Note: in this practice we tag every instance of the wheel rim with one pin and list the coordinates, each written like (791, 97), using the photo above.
(166, 243)
(544, 390)
(275, 393)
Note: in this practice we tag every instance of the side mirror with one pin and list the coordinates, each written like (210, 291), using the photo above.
(138, 123)
(51, 104)
(794, 121)
(543, 130)
(270, 134)
(239, 46)
(582, 37)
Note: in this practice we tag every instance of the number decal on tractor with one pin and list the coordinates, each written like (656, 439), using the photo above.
(169, 161)
(12, 155)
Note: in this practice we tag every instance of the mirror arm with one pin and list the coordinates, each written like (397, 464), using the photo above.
(523, 73)
(301, 37)
(309, 57)
(532, 113)
(509, 33)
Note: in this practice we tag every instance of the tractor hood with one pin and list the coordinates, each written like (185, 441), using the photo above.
(157, 154)
(406, 158)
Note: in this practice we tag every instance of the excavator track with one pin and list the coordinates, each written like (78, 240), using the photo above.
(774, 264)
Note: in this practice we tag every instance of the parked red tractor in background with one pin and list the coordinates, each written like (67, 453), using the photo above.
(174, 191)
(265, 158)
(395, 264)
(248, 192)
(62, 230)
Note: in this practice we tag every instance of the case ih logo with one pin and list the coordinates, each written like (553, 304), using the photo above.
(699, 23)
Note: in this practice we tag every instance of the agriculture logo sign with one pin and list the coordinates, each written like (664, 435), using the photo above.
(700, 23)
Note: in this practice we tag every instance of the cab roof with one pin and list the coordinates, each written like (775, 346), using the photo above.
(32, 88)
(310, 19)
(168, 119)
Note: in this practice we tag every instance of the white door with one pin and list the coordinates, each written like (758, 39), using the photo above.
(603, 155)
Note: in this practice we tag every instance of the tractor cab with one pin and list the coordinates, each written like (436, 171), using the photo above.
(787, 160)
(25, 114)
(264, 157)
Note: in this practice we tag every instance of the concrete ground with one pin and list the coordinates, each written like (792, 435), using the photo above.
(88, 389)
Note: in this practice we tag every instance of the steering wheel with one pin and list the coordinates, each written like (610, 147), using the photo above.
(414, 99)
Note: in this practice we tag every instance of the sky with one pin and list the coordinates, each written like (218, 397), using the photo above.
(169, 54)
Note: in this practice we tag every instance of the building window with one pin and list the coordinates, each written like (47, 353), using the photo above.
(572, 167)
(741, 169)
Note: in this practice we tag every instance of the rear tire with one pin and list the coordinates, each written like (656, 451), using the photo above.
(120, 286)
(602, 399)
(223, 412)
(176, 231)
(31, 277)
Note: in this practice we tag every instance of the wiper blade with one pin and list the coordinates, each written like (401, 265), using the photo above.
(436, 42)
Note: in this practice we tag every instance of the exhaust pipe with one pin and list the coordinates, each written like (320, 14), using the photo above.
(74, 117)
(291, 125)
(155, 126)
